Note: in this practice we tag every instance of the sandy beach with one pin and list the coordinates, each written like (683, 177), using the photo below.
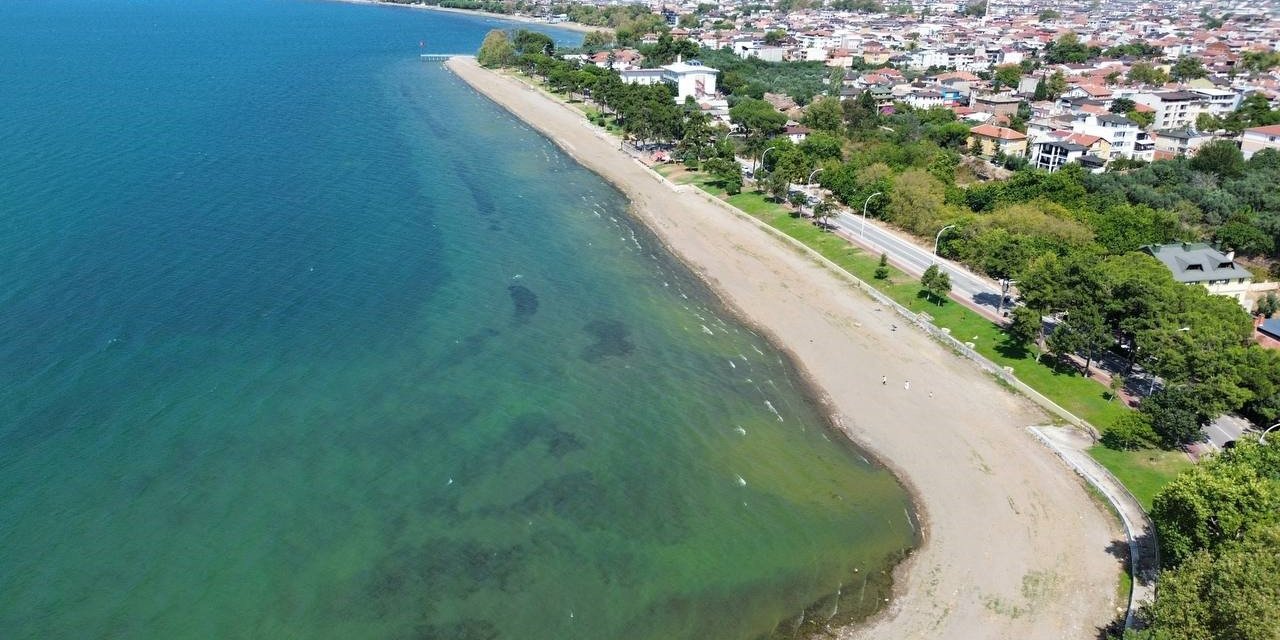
(1014, 547)
(568, 26)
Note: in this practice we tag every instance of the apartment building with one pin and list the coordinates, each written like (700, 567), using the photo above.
(1173, 109)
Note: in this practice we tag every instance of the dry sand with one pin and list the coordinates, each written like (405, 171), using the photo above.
(1013, 547)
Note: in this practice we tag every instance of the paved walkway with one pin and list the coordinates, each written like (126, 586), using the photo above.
(1144, 552)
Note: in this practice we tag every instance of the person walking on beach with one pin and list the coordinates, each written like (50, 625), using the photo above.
(907, 385)
(884, 380)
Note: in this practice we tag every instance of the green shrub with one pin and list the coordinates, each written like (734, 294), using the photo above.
(1132, 430)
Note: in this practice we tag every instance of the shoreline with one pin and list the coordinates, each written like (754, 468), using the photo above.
(974, 476)
(567, 26)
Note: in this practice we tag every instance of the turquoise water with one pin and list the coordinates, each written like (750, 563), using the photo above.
(302, 338)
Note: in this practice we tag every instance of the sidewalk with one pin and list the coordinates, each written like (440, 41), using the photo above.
(1144, 555)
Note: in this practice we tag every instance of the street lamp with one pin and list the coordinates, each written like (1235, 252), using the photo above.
(762, 157)
(809, 182)
(1262, 439)
(939, 237)
(863, 233)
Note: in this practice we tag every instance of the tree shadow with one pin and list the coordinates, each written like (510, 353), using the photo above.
(1012, 350)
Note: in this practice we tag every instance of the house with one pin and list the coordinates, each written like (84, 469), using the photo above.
(1255, 139)
(1051, 154)
(1179, 142)
(796, 133)
(1199, 263)
(1173, 109)
(987, 140)
(999, 104)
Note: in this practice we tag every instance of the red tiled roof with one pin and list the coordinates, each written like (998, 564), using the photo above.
(999, 133)
(1272, 130)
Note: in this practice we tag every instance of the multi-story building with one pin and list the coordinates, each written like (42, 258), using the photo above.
(1256, 139)
(1124, 137)
(1173, 109)
(1179, 142)
(1218, 102)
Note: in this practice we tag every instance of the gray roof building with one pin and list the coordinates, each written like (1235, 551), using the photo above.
(1198, 262)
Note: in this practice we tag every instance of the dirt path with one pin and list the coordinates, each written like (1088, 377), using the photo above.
(1014, 546)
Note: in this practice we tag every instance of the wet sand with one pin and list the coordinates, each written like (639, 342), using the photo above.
(1013, 545)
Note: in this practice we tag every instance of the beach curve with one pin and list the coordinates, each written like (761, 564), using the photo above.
(1013, 546)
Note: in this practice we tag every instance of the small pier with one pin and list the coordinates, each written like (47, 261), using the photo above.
(440, 56)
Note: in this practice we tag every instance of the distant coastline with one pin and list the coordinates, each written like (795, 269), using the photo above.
(568, 26)
(995, 509)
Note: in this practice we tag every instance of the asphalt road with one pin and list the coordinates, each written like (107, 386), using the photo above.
(915, 260)
(1225, 429)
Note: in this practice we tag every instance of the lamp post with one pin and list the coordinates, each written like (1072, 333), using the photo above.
(937, 238)
(863, 232)
(762, 157)
(1262, 439)
(815, 172)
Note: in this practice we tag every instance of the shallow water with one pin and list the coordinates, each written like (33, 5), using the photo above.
(301, 337)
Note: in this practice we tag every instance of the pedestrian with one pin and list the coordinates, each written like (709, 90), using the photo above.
(907, 385)
(884, 380)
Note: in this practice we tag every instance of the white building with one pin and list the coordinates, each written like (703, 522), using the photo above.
(1173, 109)
(690, 79)
(1125, 137)
(1218, 102)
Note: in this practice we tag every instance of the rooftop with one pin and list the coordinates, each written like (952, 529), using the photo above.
(1197, 262)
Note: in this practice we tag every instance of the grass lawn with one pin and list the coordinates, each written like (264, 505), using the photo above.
(1064, 385)
(1143, 472)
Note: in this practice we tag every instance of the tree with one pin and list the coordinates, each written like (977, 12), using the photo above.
(596, 40)
(916, 201)
(1024, 328)
(1116, 386)
(1208, 122)
(1145, 73)
(1082, 331)
(1175, 415)
(1215, 503)
(777, 184)
(1268, 305)
(1056, 85)
(1006, 75)
(882, 269)
(1221, 158)
(758, 120)
(1131, 430)
(1046, 15)
(1188, 68)
(496, 50)
(1068, 48)
(1144, 118)
(935, 284)
(1230, 594)
(773, 38)
(1122, 106)
(526, 41)
(824, 114)
(822, 212)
